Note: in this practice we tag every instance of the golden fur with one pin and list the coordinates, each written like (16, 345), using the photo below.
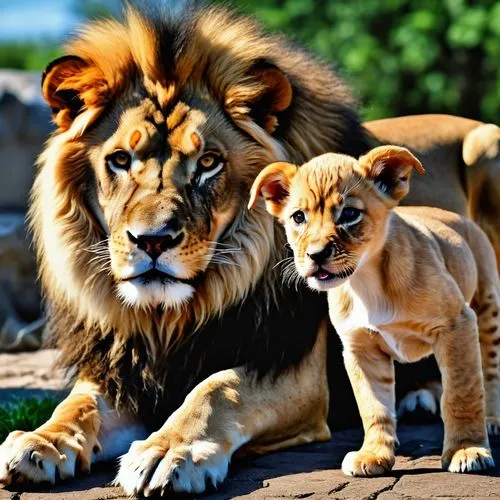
(65, 232)
(378, 264)
(462, 159)
(167, 90)
(163, 123)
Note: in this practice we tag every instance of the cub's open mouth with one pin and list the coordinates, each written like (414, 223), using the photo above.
(157, 276)
(323, 275)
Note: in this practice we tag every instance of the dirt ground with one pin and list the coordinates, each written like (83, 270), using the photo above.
(310, 471)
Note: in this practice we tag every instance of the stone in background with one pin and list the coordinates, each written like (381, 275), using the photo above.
(24, 127)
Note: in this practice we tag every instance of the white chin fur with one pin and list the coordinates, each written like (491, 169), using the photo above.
(154, 294)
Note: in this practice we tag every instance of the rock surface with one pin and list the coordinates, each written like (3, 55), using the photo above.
(21, 324)
(310, 471)
(24, 126)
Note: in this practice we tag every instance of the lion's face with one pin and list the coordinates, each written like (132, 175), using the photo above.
(163, 123)
(168, 184)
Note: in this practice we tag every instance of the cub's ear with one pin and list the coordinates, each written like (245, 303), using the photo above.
(273, 184)
(72, 86)
(267, 93)
(390, 168)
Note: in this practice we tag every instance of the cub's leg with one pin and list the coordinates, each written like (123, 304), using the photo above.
(230, 409)
(81, 430)
(487, 307)
(426, 398)
(371, 372)
(466, 446)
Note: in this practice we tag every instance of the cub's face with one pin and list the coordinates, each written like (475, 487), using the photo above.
(335, 208)
(332, 217)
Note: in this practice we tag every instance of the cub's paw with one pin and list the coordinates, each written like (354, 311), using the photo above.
(470, 459)
(151, 467)
(425, 400)
(41, 456)
(363, 463)
(493, 426)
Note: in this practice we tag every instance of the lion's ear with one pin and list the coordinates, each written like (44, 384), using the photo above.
(72, 86)
(273, 184)
(390, 168)
(267, 94)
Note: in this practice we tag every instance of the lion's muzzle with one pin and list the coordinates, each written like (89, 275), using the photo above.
(156, 243)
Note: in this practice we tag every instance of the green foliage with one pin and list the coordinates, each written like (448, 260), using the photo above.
(28, 56)
(402, 56)
(24, 415)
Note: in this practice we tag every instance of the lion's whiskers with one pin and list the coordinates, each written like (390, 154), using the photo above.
(283, 261)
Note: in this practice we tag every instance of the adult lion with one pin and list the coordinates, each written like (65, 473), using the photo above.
(163, 291)
(162, 288)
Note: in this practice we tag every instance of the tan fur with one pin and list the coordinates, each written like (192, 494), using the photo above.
(75, 424)
(162, 94)
(396, 290)
(251, 415)
(228, 75)
(462, 159)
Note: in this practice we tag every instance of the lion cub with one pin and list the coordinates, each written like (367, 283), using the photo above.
(399, 281)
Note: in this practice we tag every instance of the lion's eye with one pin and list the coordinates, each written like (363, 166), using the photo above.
(119, 160)
(349, 216)
(208, 165)
(209, 160)
(299, 217)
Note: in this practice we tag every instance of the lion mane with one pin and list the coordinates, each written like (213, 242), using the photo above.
(241, 314)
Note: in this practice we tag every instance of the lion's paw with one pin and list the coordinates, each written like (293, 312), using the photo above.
(493, 426)
(362, 463)
(149, 468)
(471, 459)
(42, 456)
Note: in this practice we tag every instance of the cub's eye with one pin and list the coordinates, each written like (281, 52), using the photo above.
(209, 160)
(349, 215)
(299, 217)
(119, 160)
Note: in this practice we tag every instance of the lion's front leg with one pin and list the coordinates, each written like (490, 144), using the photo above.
(82, 430)
(230, 409)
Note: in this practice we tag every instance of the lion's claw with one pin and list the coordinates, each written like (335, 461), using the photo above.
(182, 468)
(40, 457)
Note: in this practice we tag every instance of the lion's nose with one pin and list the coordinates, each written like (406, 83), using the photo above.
(156, 243)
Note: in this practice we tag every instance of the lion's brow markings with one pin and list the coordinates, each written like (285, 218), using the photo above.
(178, 116)
(135, 137)
(165, 126)
(159, 126)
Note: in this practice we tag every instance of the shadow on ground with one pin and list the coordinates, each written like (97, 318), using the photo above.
(313, 471)
(302, 472)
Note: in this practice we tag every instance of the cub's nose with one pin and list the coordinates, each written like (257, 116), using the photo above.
(154, 244)
(320, 256)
